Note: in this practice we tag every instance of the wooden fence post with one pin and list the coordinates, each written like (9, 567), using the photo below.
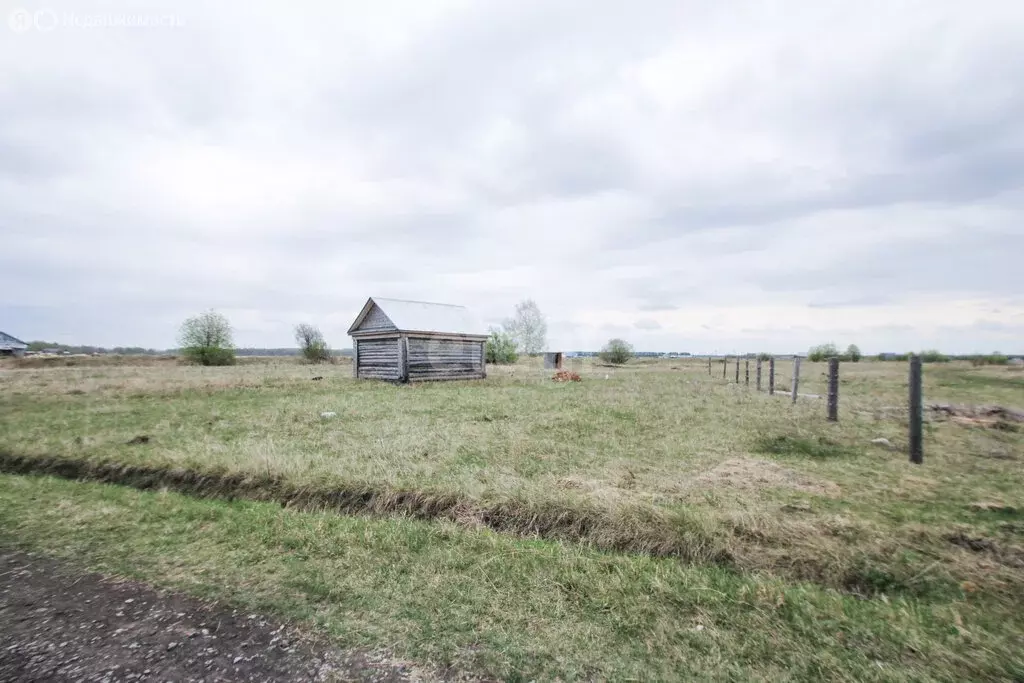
(757, 370)
(796, 377)
(746, 372)
(916, 411)
(737, 369)
(771, 376)
(833, 389)
(725, 365)
(709, 366)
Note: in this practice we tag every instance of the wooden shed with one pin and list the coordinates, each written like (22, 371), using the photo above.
(412, 341)
(11, 346)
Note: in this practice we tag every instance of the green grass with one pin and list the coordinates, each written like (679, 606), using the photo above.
(653, 456)
(817, 447)
(997, 384)
(741, 491)
(510, 608)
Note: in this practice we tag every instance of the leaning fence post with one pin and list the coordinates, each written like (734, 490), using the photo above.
(796, 376)
(916, 411)
(771, 376)
(833, 389)
(758, 372)
(746, 372)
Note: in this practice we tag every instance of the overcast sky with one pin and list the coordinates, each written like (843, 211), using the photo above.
(691, 176)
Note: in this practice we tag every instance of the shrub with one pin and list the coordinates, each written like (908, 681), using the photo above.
(501, 348)
(853, 353)
(616, 351)
(822, 352)
(764, 356)
(994, 358)
(206, 339)
(311, 343)
(933, 356)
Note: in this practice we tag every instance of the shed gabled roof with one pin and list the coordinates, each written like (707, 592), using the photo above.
(7, 341)
(422, 316)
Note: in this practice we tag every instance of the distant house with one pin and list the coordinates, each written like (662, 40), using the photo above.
(11, 346)
(409, 341)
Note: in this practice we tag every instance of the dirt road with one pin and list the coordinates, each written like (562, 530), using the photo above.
(62, 625)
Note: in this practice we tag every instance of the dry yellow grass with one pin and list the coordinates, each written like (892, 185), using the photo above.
(656, 456)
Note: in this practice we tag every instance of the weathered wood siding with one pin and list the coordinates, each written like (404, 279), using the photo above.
(378, 358)
(445, 359)
(375, 321)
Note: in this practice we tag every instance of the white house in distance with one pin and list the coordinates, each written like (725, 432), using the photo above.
(11, 346)
(411, 341)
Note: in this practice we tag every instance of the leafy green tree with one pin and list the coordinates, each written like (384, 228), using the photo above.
(616, 352)
(853, 353)
(311, 343)
(500, 348)
(206, 339)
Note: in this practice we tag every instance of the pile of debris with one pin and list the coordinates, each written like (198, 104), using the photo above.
(567, 376)
(997, 417)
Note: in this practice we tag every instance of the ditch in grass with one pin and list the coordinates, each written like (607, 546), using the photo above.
(509, 608)
(851, 559)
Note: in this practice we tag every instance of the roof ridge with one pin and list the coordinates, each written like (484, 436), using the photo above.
(413, 301)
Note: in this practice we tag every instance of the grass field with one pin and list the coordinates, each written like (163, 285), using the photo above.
(649, 522)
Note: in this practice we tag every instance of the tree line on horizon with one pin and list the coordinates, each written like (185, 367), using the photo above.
(207, 339)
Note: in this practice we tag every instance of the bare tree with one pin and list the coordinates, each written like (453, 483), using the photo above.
(528, 327)
(312, 344)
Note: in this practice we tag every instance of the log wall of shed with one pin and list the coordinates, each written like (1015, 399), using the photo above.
(445, 358)
(378, 358)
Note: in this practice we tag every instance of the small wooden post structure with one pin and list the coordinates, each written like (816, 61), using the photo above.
(552, 360)
(771, 376)
(746, 372)
(833, 390)
(709, 366)
(725, 365)
(916, 412)
(758, 373)
(796, 376)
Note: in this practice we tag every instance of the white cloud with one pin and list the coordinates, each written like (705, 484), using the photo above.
(689, 176)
